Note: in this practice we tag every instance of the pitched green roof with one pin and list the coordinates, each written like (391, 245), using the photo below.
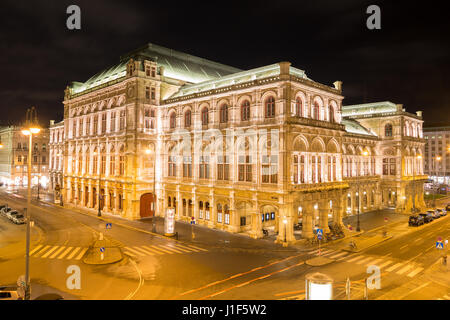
(368, 108)
(353, 126)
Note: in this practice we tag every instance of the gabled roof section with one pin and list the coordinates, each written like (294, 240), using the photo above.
(353, 126)
(181, 66)
(368, 108)
(236, 78)
(177, 65)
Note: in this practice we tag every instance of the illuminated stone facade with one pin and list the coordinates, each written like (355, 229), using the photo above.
(237, 150)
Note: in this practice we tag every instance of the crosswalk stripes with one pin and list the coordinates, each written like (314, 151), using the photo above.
(296, 297)
(364, 260)
(153, 250)
(338, 255)
(414, 272)
(445, 297)
(58, 252)
(395, 266)
(404, 269)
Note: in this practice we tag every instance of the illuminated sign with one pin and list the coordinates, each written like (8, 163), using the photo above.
(169, 223)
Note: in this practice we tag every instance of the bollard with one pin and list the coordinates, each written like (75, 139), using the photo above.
(176, 235)
(444, 260)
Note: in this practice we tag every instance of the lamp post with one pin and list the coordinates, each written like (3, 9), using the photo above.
(99, 213)
(438, 159)
(31, 127)
(358, 229)
(285, 230)
(149, 151)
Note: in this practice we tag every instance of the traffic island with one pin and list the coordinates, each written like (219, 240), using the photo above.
(319, 261)
(103, 252)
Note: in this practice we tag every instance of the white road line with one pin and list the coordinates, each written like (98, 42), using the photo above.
(57, 252)
(135, 251)
(183, 249)
(129, 253)
(395, 266)
(50, 251)
(81, 254)
(403, 270)
(385, 264)
(42, 251)
(64, 253)
(74, 252)
(35, 249)
(401, 248)
(163, 250)
(152, 250)
(365, 260)
(190, 245)
(412, 274)
(373, 262)
(355, 258)
(297, 297)
(145, 251)
(338, 255)
(172, 249)
(447, 297)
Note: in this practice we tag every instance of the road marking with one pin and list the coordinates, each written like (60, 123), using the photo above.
(152, 250)
(338, 255)
(57, 252)
(171, 249)
(190, 245)
(403, 270)
(74, 252)
(447, 297)
(182, 249)
(36, 249)
(65, 252)
(297, 297)
(289, 292)
(412, 274)
(42, 251)
(81, 253)
(50, 251)
(395, 266)
(163, 250)
(135, 251)
(129, 253)
(418, 239)
(373, 262)
(355, 258)
(143, 250)
(385, 264)
(418, 288)
(179, 246)
(365, 260)
(401, 248)
(326, 252)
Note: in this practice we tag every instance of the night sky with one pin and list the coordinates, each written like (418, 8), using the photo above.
(406, 62)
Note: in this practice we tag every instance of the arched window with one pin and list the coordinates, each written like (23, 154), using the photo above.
(204, 116)
(173, 118)
(187, 118)
(388, 130)
(245, 111)
(219, 213)
(200, 209)
(298, 107)
(331, 114)
(270, 107)
(315, 111)
(224, 113)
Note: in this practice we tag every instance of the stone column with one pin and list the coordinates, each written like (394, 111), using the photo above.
(323, 216)
(195, 202)
(106, 208)
(179, 210)
(307, 222)
(212, 211)
(90, 196)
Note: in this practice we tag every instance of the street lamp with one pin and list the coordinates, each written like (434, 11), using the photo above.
(365, 153)
(285, 230)
(438, 159)
(148, 152)
(31, 127)
(99, 214)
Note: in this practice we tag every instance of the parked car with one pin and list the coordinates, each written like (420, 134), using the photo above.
(427, 217)
(435, 213)
(11, 213)
(18, 219)
(416, 220)
(441, 212)
(447, 207)
(5, 210)
(7, 293)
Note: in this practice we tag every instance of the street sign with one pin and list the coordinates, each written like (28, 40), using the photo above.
(21, 281)
(385, 219)
(319, 232)
(108, 225)
(319, 237)
(439, 239)
(439, 245)
(102, 249)
(169, 225)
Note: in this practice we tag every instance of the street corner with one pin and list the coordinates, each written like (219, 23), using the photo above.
(319, 261)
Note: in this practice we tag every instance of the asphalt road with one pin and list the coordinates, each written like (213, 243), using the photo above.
(215, 265)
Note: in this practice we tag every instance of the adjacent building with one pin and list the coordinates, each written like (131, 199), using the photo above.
(437, 153)
(236, 150)
(14, 157)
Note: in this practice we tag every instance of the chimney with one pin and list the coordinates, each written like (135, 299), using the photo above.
(161, 71)
(419, 114)
(52, 122)
(338, 85)
(284, 67)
